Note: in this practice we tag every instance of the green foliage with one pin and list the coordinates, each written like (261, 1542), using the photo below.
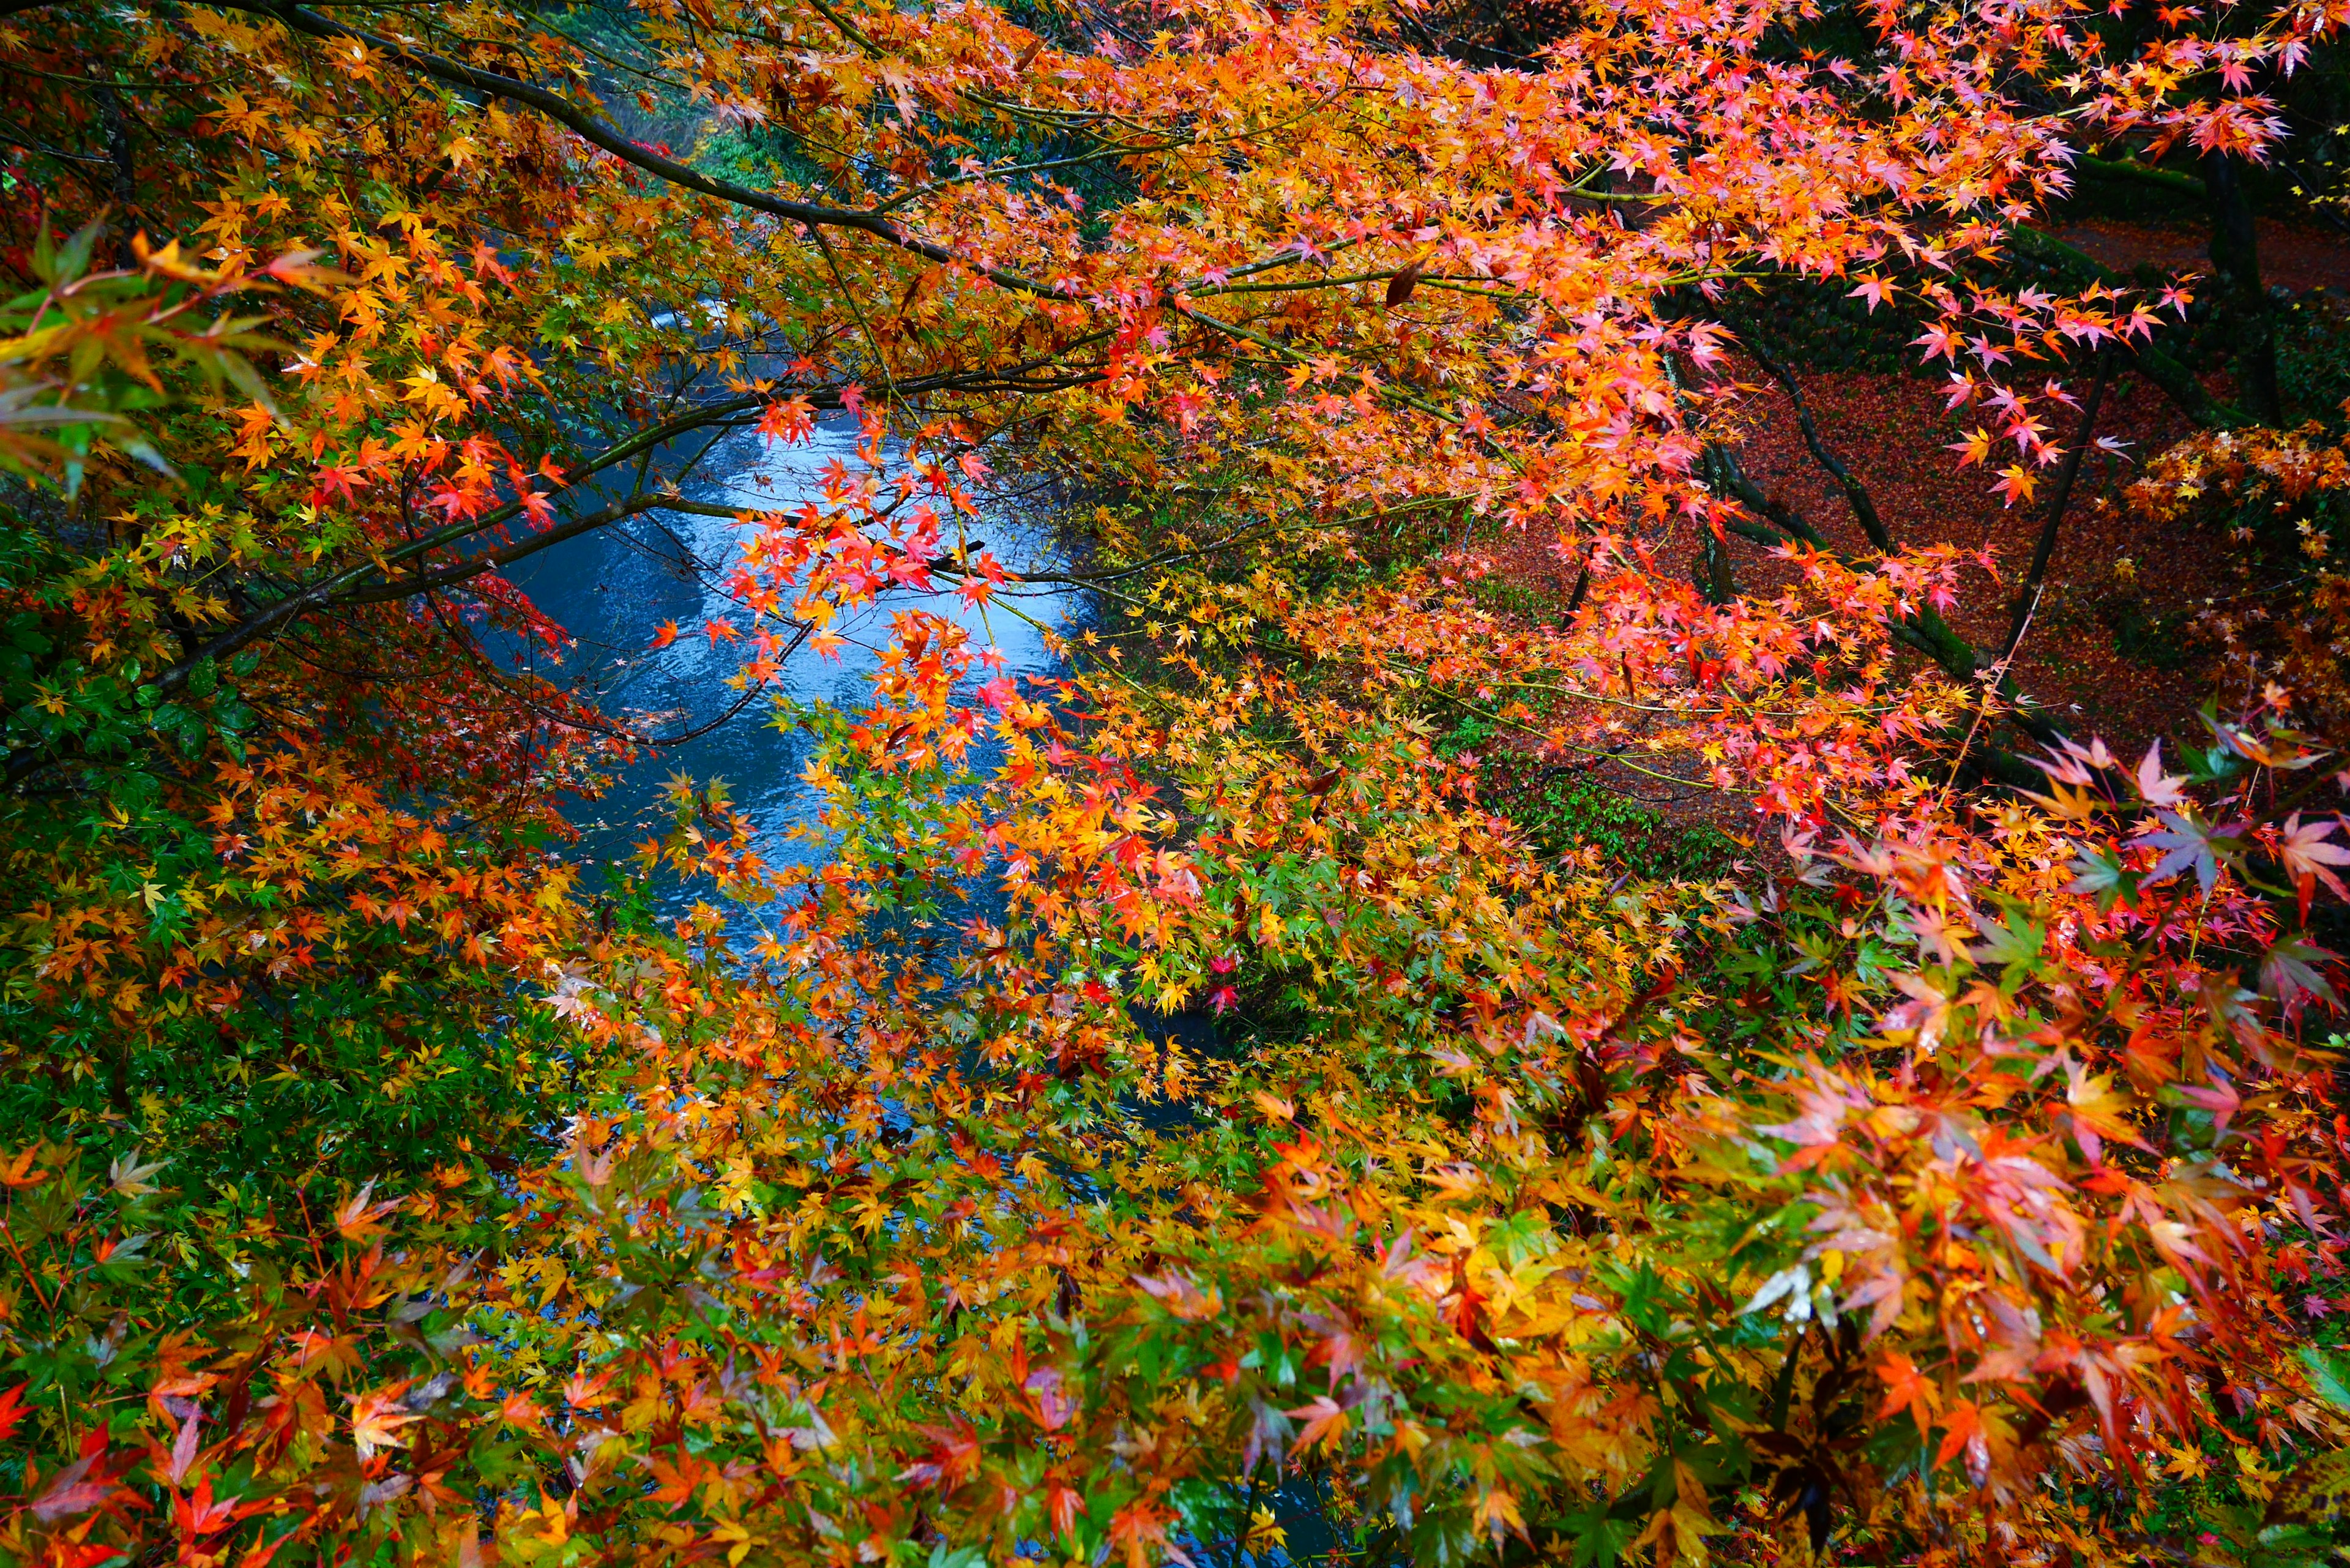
(2313, 355)
(1530, 601)
(1821, 325)
(2158, 641)
(1564, 811)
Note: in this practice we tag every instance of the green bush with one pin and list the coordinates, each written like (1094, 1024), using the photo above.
(1564, 812)
(2313, 355)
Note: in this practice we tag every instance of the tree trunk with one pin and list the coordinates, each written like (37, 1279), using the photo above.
(2243, 302)
(122, 219)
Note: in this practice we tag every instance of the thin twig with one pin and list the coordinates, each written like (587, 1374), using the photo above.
(2027, 596)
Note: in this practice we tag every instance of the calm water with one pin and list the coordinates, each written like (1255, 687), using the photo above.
(612, 589)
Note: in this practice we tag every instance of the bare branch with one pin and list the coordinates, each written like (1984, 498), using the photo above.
(1855, 493)
(2027, 596)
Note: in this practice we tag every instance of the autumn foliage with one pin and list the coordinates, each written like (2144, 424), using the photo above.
(1176, 1111)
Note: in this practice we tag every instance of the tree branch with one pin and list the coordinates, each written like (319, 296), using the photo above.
(1925, 630)
(1752, 496)
(2170, 378)
(2027, 595)
(1855, 493)
(521, 549)
(2144, 173)
(565, 112)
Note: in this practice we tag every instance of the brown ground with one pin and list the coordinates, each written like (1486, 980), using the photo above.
(2292, 255)
(1890, 430)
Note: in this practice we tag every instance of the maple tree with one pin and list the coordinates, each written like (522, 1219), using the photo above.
(1961, 1178)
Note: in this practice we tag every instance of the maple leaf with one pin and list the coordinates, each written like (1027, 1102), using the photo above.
(1679, 1531)
(1963, 1433)
(1940, 342)
(1975, 449)
(1325, 1422)
(1274, 1107)
(1906, 1388)
(2220, 1099)
(2097, 1112)
(1182, 1297)
(2308, 859)
(2293, 972)
(128, 1178)
(358, 1218)
(1497, 1513)
(183, 1449)
(954, 1458)
(2187, 841)
(2003, 943)
(2155, 786)
(82, 1486)
(202, 1514)
(378, 1416)
(1052, 1403)
(1928, 1011)
(792, 420)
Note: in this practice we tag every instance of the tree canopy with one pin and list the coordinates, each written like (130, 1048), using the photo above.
(1952, 1171)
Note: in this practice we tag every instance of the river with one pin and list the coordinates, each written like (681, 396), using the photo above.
(612, 589)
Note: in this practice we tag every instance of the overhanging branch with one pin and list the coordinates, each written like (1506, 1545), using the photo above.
(563, 112)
